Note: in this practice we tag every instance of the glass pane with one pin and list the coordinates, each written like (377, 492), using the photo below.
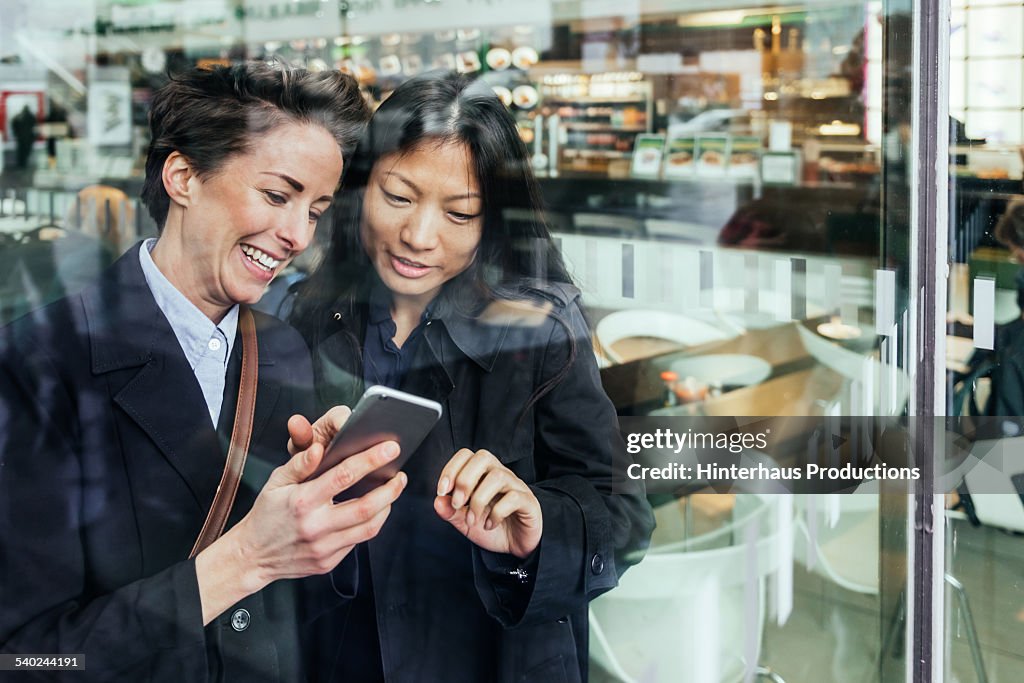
(729, 184)
(982, 629)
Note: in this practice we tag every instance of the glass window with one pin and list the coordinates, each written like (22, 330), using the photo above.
(731, 187)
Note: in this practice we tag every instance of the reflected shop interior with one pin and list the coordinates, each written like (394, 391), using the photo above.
(735, 188)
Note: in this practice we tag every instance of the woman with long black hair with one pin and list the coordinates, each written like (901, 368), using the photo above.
(442, 279)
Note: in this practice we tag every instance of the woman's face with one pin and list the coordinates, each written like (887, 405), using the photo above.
(240, 226)
(422, 219)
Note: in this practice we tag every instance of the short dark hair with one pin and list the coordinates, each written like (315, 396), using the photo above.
(210, 115)
(1010, 227)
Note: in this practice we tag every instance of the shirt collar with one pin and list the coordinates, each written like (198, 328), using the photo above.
(379, 308)
(190, 325)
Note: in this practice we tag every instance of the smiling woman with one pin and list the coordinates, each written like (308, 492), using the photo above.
(120, 406)
(227, 235)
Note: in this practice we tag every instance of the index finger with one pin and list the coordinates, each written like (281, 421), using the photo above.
(352, 469)
(451, 470)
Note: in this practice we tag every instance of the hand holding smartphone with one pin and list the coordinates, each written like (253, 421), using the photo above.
(382, 414)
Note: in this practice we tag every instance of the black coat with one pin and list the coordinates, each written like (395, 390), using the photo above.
(108, 465)
(446, 610)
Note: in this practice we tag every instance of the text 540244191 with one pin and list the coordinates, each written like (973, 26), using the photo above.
(73, 662)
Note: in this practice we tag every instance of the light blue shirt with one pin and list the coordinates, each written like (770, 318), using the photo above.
(207, 346)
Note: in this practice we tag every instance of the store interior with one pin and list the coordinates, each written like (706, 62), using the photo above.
(731, 186)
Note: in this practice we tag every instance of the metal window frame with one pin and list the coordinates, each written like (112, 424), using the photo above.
(929, 249)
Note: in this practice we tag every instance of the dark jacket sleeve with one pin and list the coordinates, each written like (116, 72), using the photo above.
(150, 625)
(321, 593)
(596, 521)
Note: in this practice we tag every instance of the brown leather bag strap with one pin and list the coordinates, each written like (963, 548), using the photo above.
(213, 527)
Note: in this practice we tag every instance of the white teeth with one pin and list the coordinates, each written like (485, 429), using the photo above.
(258, 257)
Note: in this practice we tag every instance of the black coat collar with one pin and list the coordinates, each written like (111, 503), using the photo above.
(478, 337)
(128, 330)
(126, 327)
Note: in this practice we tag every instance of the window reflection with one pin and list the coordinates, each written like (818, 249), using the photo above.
(730, 185)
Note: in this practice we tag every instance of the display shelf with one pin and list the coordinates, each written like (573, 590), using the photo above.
(595, 100)
(603, 127)
(596, 153)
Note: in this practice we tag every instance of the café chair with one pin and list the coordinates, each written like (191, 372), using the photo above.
(837, 537)
(696, 616)
(670, 331)
(870, 387)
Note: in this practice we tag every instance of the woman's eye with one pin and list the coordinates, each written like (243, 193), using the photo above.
(274, 197)
(314, 216)
(462, 217)
(394, 198)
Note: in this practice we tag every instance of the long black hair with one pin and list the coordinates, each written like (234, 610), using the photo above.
(516, 249)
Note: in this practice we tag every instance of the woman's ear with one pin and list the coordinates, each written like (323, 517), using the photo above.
(177, 176)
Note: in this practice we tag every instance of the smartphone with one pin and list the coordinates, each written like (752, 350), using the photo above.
(382, 414)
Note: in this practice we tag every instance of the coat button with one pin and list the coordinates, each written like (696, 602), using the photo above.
(597, 564)
(563, 620)
(240, 620)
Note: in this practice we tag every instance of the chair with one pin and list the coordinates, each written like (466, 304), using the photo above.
(670, 330)
(841, 533)
(694, 616)
(870, 387)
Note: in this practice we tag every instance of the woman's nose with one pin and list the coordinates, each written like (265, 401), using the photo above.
(296, 231)
(420, 231)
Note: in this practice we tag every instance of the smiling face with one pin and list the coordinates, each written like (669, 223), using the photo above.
(227, 235)
(422, 220)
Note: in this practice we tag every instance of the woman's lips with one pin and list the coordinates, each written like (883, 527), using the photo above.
(258, 271)
(409, 269)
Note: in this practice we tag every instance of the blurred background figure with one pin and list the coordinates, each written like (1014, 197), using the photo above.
(24, 126)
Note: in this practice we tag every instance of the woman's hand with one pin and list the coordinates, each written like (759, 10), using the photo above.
(488, 504)
(302, 435)
(294, 528)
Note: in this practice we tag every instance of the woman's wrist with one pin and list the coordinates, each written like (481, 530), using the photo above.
(226, 574)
